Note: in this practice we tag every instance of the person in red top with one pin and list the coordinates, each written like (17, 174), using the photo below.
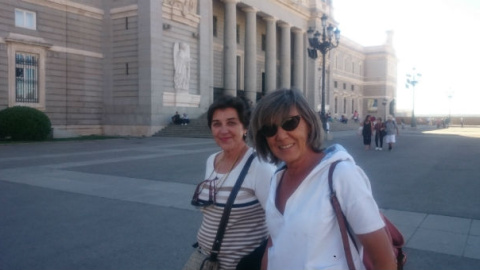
(355, 116)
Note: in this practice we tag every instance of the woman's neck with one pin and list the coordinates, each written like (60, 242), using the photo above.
(228, 159)
(299, 170)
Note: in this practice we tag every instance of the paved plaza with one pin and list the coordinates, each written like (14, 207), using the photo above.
(124, 203)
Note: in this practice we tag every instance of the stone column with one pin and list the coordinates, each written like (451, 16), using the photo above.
(285, 56)
(251, 54)
(298, 63)
(230, 48)
(271, 55)
(205, 56)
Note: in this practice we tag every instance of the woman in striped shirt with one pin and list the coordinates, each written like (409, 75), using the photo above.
(228, 119)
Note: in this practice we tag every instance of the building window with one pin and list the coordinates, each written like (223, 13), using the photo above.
(25, 19)
(264, 42)
(26, 75)
(344, 105)
(238, 33)
(335, 84)
(353, 107)
(26, 78)
(215, 26)
(353, 87)
(344, 86)
(353, 68)
(336, 105)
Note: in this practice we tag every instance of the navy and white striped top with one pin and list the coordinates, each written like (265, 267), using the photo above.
(246, 227)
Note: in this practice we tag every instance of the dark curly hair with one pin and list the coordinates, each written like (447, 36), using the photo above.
(239, 104)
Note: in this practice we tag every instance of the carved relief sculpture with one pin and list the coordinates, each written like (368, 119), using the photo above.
(181, 60)
(186, 6)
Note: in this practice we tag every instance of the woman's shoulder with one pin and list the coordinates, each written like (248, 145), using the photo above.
(211, 158)
(263, 165)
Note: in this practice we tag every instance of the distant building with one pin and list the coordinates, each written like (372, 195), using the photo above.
(124, 67)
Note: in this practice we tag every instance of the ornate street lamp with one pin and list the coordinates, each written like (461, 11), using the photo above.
(412, 79)
(450, 96)
(323, 42)
(384, 102)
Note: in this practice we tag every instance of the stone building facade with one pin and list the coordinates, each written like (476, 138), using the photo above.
(123, 67)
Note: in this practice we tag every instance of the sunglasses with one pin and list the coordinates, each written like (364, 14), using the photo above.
(212, 191)
(288, 124)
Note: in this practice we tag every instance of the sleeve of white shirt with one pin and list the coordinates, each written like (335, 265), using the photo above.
(209, 167)
(262, 173)
(354, 194)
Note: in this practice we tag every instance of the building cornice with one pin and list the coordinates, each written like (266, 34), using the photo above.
(126, 11)
(70, 6)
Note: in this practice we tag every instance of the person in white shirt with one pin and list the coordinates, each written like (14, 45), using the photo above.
(304, 232)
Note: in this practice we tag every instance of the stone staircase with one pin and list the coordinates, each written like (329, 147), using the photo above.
(198, 128)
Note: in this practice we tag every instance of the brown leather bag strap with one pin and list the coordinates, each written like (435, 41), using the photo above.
(342, 223)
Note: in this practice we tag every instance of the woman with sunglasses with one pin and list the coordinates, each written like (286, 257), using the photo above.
(304, 232)
(228, 119)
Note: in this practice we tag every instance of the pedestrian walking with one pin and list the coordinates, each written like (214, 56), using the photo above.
(379, 134)
(367, 132)
(392, 130)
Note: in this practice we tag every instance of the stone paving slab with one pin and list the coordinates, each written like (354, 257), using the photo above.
(472, 250)
(442, 234)
(438, 241)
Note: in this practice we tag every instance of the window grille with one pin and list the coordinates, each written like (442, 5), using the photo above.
(26, 76)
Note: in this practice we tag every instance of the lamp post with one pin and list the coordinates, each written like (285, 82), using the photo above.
(384, 102)
(323, 42)
(450, 95)
(412, 79)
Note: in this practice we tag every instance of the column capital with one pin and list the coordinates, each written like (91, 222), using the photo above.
(269, 18)
(283, 24)
(297, 30)
(249, 10)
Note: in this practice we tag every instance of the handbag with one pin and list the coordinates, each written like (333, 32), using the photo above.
(253, 261)
(199, 260)
(210, 262)
(395, 236)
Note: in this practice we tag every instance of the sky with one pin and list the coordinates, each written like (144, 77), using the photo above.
(439, 38)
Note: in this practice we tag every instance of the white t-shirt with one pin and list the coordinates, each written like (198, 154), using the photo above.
(307, 235)
(246, 227)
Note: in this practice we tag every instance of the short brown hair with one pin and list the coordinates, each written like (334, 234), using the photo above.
(275, 107)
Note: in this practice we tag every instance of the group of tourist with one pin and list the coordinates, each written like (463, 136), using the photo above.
(372, 126)
(280, 216)
(178, 119)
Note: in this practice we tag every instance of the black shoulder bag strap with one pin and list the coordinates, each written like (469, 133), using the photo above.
(228, 207)
(342, 221)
